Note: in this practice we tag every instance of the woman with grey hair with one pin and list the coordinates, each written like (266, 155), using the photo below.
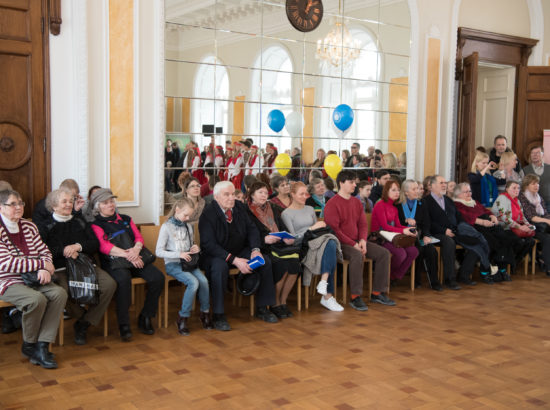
(109, 224)
(67, 236)
(22, 251)
(316, 190)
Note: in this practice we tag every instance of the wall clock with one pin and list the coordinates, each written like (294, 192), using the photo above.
(304, 15)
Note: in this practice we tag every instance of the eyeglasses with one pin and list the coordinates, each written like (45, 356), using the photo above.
(194, 186)
(14, 204)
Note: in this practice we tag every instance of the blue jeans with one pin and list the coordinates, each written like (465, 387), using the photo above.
(328, 264)
(193, 281)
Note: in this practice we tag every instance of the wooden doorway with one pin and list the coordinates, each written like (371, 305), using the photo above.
(24, 97)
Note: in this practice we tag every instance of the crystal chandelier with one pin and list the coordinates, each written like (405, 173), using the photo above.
(338, 47)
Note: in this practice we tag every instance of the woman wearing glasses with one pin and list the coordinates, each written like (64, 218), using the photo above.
(22, 250)
(192, 190)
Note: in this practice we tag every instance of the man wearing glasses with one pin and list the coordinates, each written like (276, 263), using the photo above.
(538, 167)
(354, 151)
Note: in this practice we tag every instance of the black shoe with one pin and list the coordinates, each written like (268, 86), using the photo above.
(437, 287)
(220, 322)
(505, 277)
(7, 325)
(452, 285)
(278, 311)
(16, 318)
(382, 298)
(287, 311)
(497, 277)
(125, 333)
(358, 304)
(468, 282)
(145, 325)
(28, 348)
(182, 326)
(548, 273)
(42, 356)
(488, 279)
(417, 285)
(263, 313)
(80, 328)
(206, 321)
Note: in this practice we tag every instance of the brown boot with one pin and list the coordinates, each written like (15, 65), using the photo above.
(182, 326)
(205, 320)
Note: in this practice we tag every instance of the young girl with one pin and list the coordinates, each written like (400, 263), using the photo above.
(365, 188)
(175, 242)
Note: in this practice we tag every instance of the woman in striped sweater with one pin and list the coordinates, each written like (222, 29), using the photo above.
(22, 250)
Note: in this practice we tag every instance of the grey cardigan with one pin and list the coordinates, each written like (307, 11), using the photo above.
(312, 261)
(173, 240)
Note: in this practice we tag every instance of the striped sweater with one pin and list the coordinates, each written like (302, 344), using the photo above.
(12, 262)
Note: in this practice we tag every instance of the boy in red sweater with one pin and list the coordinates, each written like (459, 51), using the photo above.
(345, 215)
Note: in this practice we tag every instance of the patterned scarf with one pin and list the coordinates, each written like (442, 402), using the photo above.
(264, 213)
(534, 199)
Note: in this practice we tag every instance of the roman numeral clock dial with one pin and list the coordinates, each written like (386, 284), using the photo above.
(304, 15)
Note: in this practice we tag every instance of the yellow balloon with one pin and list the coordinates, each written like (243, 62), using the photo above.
(283, 164)
(333, 165)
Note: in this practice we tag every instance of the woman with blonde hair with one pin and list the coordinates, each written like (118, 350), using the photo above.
(389, 161)
(506, 170)
(484, 186)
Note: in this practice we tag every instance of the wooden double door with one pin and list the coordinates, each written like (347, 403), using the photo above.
(24, 98)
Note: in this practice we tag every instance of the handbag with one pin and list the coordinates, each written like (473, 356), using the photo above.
(82, 280)
(523, 234)
(188, 266)
(31, 279)
(313, 234)
(123, 240)
(399, 240)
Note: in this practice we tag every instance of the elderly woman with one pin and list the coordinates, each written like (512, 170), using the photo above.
(534, 210)
(385, 217)
(506, 170)
(413, 213)
(281, 188)
(22, 251)
(317, 199)
(107, 225)
(502, 244)
(285, 258)
(192, 190)
(67, 236)
(509, 213)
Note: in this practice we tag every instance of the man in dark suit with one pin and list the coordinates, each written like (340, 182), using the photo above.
(444, 218)
(229, 238)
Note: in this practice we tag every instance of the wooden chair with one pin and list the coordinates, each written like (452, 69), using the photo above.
(534, 256)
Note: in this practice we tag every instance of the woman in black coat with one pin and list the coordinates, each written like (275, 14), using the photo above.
(412, 212)
(285, 258)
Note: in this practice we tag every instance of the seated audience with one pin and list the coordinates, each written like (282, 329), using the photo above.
(41, 213)
(426, 187)
(542, 170)
(67, 236)
(229, 238)
(420, 189)
(108, 222)
(21, 251)
(87, 213)
(535, 210)
(364, 189)
(509, 213)
(345, 215)
(284, 257)
(385, 217)
(451, 185)
(322, 252)
(192, 191)
(413, 213)
(506, 170)
(176, 243)
(382, 177)
(317, 199)
(483, 184)
(281, 189)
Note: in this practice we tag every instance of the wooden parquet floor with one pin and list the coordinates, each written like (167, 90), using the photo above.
(481, 347)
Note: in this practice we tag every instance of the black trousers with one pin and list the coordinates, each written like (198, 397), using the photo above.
(503, 244)
(217, 272)
(123, 294)
(427, 259)
(448, 257)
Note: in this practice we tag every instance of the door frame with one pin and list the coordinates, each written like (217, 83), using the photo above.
(500, 49)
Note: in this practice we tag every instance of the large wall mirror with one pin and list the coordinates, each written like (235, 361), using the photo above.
(228, 63)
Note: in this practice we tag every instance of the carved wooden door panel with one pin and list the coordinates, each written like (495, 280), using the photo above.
(533, 109)
(465, 143)
(24, 127)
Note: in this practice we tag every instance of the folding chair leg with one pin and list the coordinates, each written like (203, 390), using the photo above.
(413, 268)
(62, 329)
(252, 305)
(306, 294)
(299, 294)
(106, 323)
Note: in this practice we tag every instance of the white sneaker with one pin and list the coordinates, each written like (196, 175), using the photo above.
(494, 269)
(322, 287)
(331, 304)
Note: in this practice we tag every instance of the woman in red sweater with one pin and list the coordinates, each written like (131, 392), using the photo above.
(386, 218)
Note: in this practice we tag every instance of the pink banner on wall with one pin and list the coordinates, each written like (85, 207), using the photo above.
(546, 145)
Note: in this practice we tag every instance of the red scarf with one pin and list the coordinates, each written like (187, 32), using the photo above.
(517, 215)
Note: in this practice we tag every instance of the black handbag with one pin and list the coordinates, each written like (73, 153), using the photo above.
(313, 234)
(122, 239)
(82, 280)
(31, 279)
(188, 266)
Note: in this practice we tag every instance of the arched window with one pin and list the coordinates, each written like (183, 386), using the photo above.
(359, 88)
(271, 88)
(211, 94)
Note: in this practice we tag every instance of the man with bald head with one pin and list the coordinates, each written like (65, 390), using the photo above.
(230, 239)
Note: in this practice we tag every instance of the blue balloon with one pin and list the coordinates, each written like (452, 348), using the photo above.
(276, 120)
(342, 117)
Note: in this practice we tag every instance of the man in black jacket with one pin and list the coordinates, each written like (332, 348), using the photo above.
(229, 238)
(499, 148)
(444, 220)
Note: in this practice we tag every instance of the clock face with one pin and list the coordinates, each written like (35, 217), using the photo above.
(304, 15)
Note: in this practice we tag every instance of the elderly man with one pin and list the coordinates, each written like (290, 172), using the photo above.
(229, 239)
(500, 147)
(538, 167)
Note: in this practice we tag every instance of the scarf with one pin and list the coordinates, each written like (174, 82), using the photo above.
(489, 190)
(265, 215)
(471, 203)
(320, 202)
(409, 208)
(62, 218)
(534, 199)
(517, 215)
(12, 227)
(176, 222)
